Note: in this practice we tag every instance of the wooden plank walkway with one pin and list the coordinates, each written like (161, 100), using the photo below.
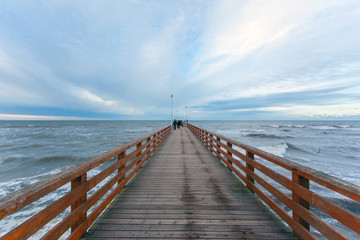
(184, 192)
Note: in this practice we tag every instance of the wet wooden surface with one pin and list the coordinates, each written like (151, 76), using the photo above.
(184, 192)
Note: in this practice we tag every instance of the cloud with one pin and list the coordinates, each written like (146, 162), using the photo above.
(124, 59)
(102, 105)
(236, 29)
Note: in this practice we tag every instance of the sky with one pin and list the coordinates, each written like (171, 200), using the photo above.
(221, 60)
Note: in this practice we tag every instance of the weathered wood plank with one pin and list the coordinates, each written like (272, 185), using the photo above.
(179, 227)
(186, 235)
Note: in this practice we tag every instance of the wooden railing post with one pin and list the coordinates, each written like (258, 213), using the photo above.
(250, 167)
(296, 198)
(204, 137)
(148, 148)
(121, 157)
(81, 199)
(158, 142)
(137, 147)
(218, 146)
(207, 139)
(229, 144)
(137, 155)
(154, 145)
(161, 136)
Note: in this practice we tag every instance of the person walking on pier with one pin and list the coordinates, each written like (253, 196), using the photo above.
(174, 123)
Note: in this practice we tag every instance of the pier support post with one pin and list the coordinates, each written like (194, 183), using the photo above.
(296, 198)
(77, 182)
(250, 167)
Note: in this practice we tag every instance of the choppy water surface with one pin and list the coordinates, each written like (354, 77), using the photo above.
(33, 150)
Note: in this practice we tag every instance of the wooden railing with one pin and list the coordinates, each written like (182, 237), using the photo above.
(247, 168)
(130, 158)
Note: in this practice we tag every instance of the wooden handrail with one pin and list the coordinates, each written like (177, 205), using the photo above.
(130, 156)
(245, 166)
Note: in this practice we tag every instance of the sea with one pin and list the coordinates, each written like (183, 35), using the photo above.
(33, 150)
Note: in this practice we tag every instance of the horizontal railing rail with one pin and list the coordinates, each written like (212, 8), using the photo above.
(84, 208)
(246, 167)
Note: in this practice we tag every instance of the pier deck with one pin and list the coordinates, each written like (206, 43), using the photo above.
(185, 192)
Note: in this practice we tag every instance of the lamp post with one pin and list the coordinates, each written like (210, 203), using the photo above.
(186, 118)
(172, 118)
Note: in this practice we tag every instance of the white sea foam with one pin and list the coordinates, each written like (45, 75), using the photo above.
(13, 185)
(352, 129)
(278, 150)
(326, 127)
(343, 126)
(297, 126)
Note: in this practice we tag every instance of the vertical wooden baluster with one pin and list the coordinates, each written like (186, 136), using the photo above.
(229, 144)
(121, 157)
(250, 167)
(82, 199)
(296, 198)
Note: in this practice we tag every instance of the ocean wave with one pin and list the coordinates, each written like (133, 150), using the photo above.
(331, 127)
(353, 129)
(262, 135)
(296, 148)
(14, 158)
(64, 158)
(287, 126)
(278, 150)
(342, 126)
(41, 160)
(19, 148)
(325, 127)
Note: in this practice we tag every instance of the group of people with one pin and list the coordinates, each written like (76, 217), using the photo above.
(179, 123)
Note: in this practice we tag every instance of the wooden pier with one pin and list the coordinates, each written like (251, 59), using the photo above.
(184, 192)
(187, 184)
